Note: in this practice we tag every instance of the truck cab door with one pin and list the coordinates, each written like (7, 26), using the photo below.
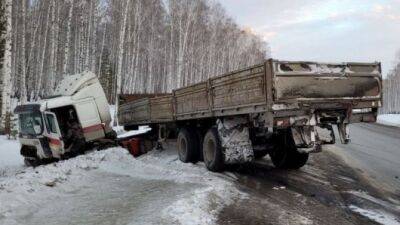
(53, 133)
(90, 120)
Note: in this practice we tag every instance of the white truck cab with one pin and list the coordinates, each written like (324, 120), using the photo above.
(65, 123)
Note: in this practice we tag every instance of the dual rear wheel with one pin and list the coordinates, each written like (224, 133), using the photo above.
(192, 147)
(285, 154)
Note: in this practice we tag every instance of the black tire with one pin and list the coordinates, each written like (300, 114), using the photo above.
(111, 135)
(212, 151)
(32, 162)
(285, 154)
(200, 138)
(260, 154)
(187, 145)
(79, 146)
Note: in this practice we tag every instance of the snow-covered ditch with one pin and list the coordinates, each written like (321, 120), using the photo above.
(389, 119)
(33, 194)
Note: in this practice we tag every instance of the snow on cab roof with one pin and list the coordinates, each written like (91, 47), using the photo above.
(72, 83)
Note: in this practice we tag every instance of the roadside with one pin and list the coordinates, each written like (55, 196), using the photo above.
(389, 119)
(325, 191)
(112, 187)
(10, 158)
(374, 151)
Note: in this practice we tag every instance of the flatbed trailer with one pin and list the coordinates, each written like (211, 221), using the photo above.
(290, 103)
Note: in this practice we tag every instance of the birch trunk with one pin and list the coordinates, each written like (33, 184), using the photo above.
(120, 59)
(6, 95)
(53, 41)
(23, 94)
(39, 90)
(68, 39)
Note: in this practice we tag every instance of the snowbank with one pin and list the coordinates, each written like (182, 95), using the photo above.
(206, 193)
(389, 119)
(10, 159)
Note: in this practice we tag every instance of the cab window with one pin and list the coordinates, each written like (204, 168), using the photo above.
(51, 124)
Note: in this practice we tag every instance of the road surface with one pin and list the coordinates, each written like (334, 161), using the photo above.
(375, 149)
(345, 184)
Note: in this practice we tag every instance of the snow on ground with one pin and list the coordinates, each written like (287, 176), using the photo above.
(10, 159)
(389, 119)
(377, 216)
(112, 187)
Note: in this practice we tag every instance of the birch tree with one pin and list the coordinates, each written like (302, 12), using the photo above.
(120, 55)
(6, 64)
(391, 90)
(134, 46)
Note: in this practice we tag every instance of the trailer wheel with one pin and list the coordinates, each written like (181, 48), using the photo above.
(285, 154)
(212, 151)
(200, 139)
(187, 145)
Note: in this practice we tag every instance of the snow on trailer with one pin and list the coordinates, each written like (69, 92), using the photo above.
(286, 106)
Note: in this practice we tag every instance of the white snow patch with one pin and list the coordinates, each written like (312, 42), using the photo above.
(279, 188)
(196, 208)
(389, 119)
(199, 205)
(365, 195)
(141, 130)
(10, 158)
(377, 216)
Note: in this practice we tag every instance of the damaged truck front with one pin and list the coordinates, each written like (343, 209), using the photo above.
(281, 108)
(65, 124)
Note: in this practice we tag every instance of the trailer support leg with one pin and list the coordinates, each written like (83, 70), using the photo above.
(343, 129)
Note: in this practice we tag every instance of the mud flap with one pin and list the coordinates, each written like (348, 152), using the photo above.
(306, 139)
(235, 140)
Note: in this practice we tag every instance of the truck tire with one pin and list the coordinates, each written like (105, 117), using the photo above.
(31, 162)
(285, 154)
(200, 138)
(260, 154)
(187, 145)
(212, 151)
(78, 147)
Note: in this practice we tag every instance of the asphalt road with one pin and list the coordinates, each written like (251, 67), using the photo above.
(344, 184)
(375, 150)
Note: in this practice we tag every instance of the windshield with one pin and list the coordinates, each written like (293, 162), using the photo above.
(31, 123)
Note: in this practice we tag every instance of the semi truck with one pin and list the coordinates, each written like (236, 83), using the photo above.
(286, 109)
(73, 119)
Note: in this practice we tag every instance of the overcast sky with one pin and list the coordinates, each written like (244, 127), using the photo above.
(324, 30)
